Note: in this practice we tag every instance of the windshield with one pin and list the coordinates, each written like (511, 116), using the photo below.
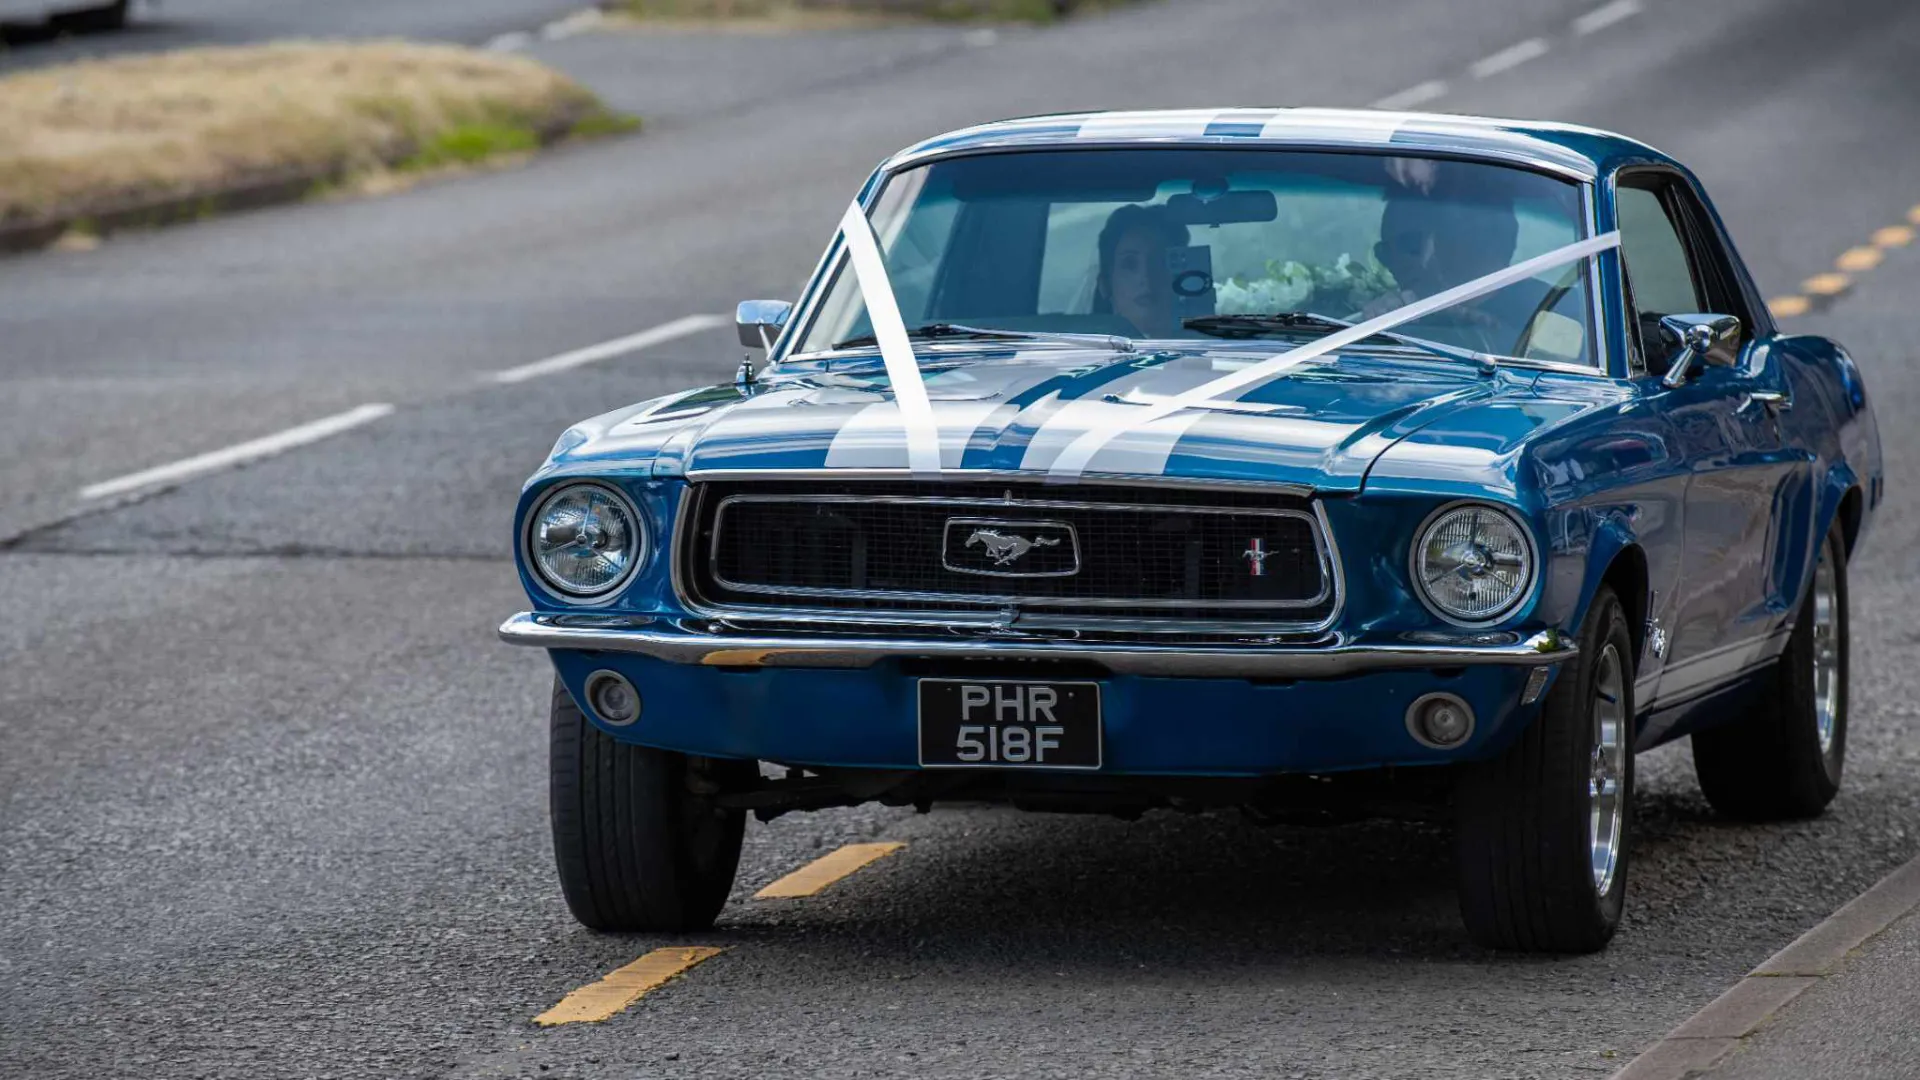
(1157, 243)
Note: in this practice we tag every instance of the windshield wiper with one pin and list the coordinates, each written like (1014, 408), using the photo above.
(1246, 326)
(959, 331)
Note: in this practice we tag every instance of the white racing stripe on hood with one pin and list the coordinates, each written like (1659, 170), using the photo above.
(1138, 387)
(1074, 460)
(874, 437)
(915, 413)
(1140, 450)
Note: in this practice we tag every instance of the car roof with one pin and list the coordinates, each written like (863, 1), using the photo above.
(1567, 149)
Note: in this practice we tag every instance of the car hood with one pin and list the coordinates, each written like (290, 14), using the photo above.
(1321, 424)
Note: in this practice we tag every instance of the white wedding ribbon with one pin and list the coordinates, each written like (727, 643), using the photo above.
(1074, 459)
(903, 368)
(916, 409)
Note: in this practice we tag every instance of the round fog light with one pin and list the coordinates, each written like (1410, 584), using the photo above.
(612, 698)
(1442, 721)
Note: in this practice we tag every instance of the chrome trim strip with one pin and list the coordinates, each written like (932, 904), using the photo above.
(829, 618)
(701, 476)
(1707, 670)
(675, 643)
(1316, 526)
(836, 257)
(1598, 340)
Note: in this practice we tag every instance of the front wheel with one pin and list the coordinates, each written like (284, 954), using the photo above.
(1784, 760)
(1540, 844)
(638, 841)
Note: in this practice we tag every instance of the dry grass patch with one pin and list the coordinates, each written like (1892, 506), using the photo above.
(106, 135)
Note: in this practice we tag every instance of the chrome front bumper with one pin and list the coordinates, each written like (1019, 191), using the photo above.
(665, 639)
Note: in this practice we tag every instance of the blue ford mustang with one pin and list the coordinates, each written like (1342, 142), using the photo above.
(1318, 463)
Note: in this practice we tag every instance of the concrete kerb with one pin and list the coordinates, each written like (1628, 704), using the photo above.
(1706, 1038)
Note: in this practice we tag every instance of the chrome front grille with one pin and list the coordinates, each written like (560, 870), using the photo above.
(1078, 552)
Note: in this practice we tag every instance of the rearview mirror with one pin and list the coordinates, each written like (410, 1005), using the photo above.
(760, 321)
(1224, 208)
(1688, 339)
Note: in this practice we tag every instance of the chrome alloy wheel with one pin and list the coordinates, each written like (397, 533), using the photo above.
(1606, 774)
(1826, 650)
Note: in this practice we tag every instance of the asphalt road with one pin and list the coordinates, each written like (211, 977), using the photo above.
(175, 24)
(272, 800)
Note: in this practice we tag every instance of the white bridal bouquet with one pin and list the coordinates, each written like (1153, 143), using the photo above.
(1289, 285)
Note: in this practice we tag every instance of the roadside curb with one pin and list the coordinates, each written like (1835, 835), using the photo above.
(1705, 1039)
(251, 192)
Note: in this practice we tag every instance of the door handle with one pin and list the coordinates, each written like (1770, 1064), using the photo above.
(1774, 401)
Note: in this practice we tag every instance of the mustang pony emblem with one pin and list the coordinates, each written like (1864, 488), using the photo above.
(1004, 549)
(1256, 556)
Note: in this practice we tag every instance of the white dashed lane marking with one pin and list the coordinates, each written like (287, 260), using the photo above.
(1427, 91)
(607, 350)
(237, 454)
(1606, 15)
(313, 431)
(1509, 58)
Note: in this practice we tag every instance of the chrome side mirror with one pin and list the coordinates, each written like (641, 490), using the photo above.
(1710, 339)
(760, 321)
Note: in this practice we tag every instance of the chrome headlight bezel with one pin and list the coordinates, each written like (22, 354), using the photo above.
(640, 532)
(1417, 570)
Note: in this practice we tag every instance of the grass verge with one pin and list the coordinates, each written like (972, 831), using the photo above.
(166, 136)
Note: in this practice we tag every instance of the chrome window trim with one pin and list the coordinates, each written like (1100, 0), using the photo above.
(1319, 546)
(833, 259)
(1016, 144)
(987, 620)
(1597, 330)
(800, 322)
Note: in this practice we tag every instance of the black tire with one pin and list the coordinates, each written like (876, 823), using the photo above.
(1523, 843)
(637, 847)
(1770, 765)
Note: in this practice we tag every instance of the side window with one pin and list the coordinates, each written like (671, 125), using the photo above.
(1718, 284)
(1660, 276)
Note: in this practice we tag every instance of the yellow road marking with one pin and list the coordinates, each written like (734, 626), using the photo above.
(1854, 260)
(1827, 284)
(624, 985)
(1892, 236)
(1786, 307)
(826, 870)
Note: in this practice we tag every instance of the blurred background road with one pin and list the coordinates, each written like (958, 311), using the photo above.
(175, 24)
(272, 799)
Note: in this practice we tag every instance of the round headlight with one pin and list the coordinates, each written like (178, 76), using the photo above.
(1472, 563)
(585, 539)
